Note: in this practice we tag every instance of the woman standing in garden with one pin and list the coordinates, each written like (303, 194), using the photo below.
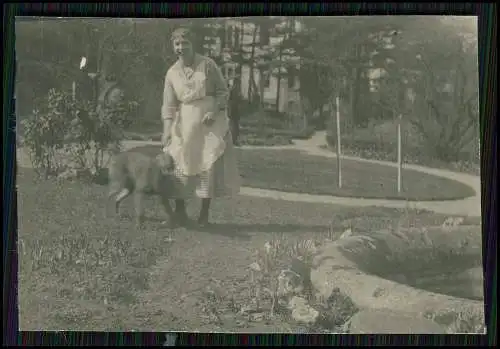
(196, 129)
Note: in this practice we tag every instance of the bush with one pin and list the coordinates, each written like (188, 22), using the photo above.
(378, 143)
(304, 134)
(270, 128)
(44, 133)
(67, 134)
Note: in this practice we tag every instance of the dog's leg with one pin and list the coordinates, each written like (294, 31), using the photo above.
(168, 210)
(181, 216)
(120, 197)
(139, 207)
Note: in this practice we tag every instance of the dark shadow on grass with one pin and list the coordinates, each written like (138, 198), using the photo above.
(239, 230)
(243, 230)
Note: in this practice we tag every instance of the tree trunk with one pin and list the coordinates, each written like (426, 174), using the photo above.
(264, 33)
(251, 81)
(241, 33)
(222, 36)
(303, 110)
(356, 85)
(286, 36)
(278, 77)
(291, 27)
(261, 87)
(230, 36)
(355, 91)
(238, 47)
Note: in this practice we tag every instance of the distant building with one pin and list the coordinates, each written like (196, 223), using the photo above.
(289, 85)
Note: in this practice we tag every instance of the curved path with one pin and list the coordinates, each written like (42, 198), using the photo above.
(465, 207)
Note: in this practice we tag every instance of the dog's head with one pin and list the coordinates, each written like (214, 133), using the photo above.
(165, 162)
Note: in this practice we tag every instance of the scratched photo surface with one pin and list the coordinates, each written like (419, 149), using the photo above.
(251, 175)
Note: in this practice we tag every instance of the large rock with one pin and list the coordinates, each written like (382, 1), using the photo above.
(343, 265)
(301, 311)
(466, 284)
(375, 321)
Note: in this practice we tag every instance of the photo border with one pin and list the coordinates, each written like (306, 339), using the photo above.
(488, 107)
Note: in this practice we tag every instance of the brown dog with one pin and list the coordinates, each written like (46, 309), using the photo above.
(142, 171)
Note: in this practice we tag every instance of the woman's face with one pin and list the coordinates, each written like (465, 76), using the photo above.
(183, 47)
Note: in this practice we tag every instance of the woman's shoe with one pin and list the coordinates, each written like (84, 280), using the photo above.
(182, 219)
(203, 222)
(204, 213)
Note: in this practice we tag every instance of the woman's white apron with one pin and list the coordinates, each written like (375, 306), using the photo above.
(195, 146)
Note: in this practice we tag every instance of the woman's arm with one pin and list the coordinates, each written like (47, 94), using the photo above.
(170, 102)
(169, 108)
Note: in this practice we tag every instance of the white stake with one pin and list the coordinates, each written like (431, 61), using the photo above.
(339, 153)
(400, 162)
(83, 64)
(73, 91)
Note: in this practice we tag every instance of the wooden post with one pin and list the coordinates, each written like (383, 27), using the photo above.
(400, 162)
(339, 153)
(83, 64)
(73, 90)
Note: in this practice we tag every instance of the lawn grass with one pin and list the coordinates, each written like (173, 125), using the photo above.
(81, 269)
(293, 171)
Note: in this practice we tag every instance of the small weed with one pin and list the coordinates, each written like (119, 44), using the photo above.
(337, 310)
(466, 321)
(281, 286)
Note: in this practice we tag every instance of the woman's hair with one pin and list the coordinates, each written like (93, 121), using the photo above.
(183, 33)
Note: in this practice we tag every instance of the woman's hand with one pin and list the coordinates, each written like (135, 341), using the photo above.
(165, 139)
(167, 134)
(208, 118)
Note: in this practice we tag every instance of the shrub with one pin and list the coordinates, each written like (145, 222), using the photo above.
(372, 143)
(304, 134)
(44, 133)
(67, 134)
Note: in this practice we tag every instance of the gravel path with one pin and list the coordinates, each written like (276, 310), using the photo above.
(466, 207)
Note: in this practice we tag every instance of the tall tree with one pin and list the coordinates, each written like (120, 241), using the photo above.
(340, 51)
(443, 72)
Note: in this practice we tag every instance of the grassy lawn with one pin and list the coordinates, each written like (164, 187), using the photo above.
(82, 269)
(293, 171)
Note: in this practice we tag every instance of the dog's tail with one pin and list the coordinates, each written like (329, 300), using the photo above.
(118, 174)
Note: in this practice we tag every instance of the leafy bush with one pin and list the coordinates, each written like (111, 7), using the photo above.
(304, 134)
(44, 133)
(67, 134)
(378, 144)
(270, 128)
